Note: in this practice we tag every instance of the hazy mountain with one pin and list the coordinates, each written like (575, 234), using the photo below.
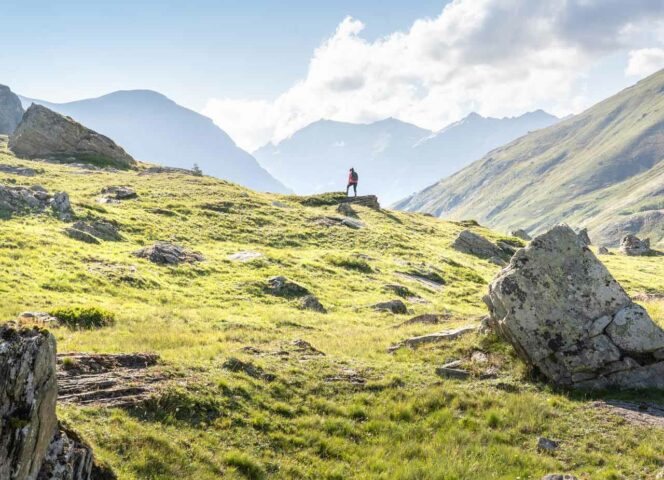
(602, 169)
(153, 128)
(393, 158)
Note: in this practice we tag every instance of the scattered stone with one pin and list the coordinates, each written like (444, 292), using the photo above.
(347, 375)
(43, 133)
(565, 314)
(283, 287)
(559, 476)
(522, 234)
(61, 206)
(370, 201)
(38, 318)
(35, 199)
(603, 251)
(425, 319)
(310, 302)
(631, 245)
(168, 254)
(346, 210)
(99, 229)
(445, 336)
(392, 306)
(447, 371)
(246, 256)
(22, 171)
(80, 235)
(547, 445)
(474, 244)
(11, 111)
(119, 192)
(108, 380)
(584, 237)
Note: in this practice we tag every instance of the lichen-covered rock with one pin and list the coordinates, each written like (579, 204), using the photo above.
(11, 111)
(28, 392)
(61, 206)
(44, 133)
(564, 313)
(584, 237)
(34, 199)
(474, 244)
(633, 246)
(168, 254)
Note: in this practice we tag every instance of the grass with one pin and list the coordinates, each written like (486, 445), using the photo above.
(302, 417)
(83, 316)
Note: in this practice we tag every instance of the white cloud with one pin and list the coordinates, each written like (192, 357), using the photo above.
(645, 61)
(496, 57)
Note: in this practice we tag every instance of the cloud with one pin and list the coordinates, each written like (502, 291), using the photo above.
(496, 57)
(645, 61)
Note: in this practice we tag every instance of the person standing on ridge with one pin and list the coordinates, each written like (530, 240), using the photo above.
(352, 181)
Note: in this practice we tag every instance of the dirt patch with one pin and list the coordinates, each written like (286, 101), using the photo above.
(123, 380)
(643, 414)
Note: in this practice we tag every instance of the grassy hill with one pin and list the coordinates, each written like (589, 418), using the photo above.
(601, 169)
(354, 412)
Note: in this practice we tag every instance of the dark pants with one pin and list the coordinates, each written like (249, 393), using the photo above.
(354, 185)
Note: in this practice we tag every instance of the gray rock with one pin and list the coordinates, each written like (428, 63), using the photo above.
(631, 245)
(547, 445)
(119, 192)
(352, 223)
(283, 287)
(392, 306)
(564, 313)
(522, 234)
(346, 210)
(80, 235)
(168, 254)
(474, 244)
(450, 372)
(61, 206)
(43, 133)
(397, 289)
(584, 237)
(603, 251)
(445, 336)
(22, 171)
(559, 476)
(370, 201)
(35, 199)
(28, 392)
(312, 303)
(11, 111)
(497, 261)
(67, 458)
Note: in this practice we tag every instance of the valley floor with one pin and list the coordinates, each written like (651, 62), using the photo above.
(354, 411)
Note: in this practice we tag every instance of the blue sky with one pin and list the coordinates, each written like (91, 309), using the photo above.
(263, 69)
(188, 50)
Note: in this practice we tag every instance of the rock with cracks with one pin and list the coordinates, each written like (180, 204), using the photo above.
(564, 313)
(44, 133)
(168, 254)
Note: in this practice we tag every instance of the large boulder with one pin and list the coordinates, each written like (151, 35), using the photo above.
(633, 246)
(43, 133)
(28, 392)
(11, 111)
(474, 244)
(564, 313)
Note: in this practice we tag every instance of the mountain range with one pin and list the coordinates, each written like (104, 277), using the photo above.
(155, 129)
(393, 158)
(601, 169)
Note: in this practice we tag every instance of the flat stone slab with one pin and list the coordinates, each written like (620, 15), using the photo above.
(445, 336)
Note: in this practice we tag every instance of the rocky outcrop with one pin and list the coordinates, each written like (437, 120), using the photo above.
(11, 111)
(370, 201)
(33, 445)
(522, 234)
(631, 245)
(474, 244)
(34, 199)
(43, 133)
(564, 313)
(283, 287)
(346, 210)
(168, 254)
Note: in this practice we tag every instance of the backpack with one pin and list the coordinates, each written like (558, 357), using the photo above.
(354, 176)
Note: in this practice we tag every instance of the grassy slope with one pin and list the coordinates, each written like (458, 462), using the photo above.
(405, 423)
(591, 170)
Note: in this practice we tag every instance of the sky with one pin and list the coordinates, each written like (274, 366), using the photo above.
(264, 69)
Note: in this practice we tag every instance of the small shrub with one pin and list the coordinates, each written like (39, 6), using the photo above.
(84, 316)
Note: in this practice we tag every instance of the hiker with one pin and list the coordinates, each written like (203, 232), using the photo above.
(352, 181)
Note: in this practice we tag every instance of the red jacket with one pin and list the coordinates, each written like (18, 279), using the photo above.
(351, 181)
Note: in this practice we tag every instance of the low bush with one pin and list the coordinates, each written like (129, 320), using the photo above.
(83, 316)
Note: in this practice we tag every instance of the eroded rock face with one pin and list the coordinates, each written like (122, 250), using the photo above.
(631, 245)
(564, 313)
(168, 254)
(43, 133)
(28, 392)
(11, 111)
(67, 458)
